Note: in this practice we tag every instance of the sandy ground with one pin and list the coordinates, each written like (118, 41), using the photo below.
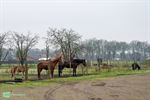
(132, 87)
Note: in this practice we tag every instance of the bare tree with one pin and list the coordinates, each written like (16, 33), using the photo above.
(3, 41)
(47, 48)
(67, 40)
(23, 43)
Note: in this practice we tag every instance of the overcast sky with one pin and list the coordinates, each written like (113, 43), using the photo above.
(121, 20)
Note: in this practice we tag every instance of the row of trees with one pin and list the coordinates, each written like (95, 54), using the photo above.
(69, 43)
(114, 50)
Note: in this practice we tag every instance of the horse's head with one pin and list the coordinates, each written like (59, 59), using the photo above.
(58, 59)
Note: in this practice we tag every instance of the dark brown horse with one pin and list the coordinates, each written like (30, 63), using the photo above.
(74, 65)
(135, 66)
(44, 65)
(17, 69)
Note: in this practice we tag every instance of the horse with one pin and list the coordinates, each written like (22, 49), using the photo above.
(74, 65)
(135, 66)
(106, 66)
(49, 63)
(17, 69)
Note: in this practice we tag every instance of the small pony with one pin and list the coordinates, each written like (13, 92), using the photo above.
(17, 69)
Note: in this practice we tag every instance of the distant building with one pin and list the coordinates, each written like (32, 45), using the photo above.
(117, 59)
(41, 59)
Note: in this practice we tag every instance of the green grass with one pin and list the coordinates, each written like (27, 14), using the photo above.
(92, 76)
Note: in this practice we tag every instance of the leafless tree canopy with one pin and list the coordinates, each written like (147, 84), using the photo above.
(3, 41)
(23, 43)
(47, 47)
(67, 40)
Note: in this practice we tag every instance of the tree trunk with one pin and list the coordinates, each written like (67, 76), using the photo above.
(26, 71)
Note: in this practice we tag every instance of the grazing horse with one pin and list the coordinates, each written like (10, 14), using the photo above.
(74, 65)
(45, 64)
(17, 69)
(135, 66)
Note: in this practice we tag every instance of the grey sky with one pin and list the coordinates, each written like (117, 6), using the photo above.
(122, 20)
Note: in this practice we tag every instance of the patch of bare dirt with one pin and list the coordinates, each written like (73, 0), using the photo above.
(133, 87)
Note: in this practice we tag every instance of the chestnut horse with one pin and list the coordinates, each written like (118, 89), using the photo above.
(44, 65)
(17, 69)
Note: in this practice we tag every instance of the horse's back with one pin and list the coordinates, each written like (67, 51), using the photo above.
(106, 66)
(21, 68)
(42, 65)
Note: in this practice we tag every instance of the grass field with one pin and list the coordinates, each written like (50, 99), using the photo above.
(91, 74)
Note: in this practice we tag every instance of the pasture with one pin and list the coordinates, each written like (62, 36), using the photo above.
(83, 73)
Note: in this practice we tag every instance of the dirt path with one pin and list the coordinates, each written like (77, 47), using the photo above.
(133, 87)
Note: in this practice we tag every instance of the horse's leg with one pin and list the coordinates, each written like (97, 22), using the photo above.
(39, 71)
(22, 74)
(74, 71)
(59, 73)
(133, 67)
(139, 67)
(12, 73)
(59, 70)
(52, 72)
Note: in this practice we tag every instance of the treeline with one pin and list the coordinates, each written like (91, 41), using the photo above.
(93, 48)
(70, 44)
(114, 50)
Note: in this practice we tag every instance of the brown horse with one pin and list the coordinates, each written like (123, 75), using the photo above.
(51, 63)
(106, 66)
(17, 69)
